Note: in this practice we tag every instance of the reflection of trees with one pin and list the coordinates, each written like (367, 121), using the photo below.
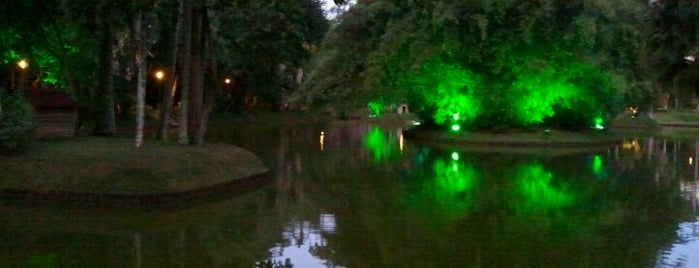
(197, 236)
(571, 214)
(493, 210)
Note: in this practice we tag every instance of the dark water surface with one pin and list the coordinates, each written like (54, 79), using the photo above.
(356, 195)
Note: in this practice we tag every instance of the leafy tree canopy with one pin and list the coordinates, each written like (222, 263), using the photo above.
(485, 64)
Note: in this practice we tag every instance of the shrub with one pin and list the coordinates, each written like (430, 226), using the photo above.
(17, 122)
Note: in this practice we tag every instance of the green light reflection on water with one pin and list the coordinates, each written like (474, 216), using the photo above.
(382, 145)
(536, 191)
(454, 184)
(597, 165)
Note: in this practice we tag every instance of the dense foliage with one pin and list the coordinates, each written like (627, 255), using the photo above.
(17, 122)
(88, 48)
(485, 64)
(674, 47)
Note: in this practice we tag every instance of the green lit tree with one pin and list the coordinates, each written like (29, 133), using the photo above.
(485, 64)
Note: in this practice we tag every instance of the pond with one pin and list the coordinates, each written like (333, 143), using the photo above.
(354, 194)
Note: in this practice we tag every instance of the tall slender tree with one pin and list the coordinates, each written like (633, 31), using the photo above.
(171, 78)
(185, 73)
(141, 62)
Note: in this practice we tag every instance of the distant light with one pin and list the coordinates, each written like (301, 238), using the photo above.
(322, 141)
(23, 64)
(227, 81)
(159, 75)
(455, 156)
(455, 127)
(456, 116)
(690, 58)
(691, 161)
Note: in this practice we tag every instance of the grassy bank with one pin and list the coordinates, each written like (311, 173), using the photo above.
(678, 124)
(111, 166)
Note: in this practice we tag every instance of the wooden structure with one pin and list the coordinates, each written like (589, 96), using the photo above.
(55, 112)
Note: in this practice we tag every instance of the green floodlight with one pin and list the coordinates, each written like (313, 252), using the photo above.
(455, 156)
(599, 123)
(455, 127)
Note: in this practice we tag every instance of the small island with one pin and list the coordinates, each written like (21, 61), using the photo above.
(92, 168)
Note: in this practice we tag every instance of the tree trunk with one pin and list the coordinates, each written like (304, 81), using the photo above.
(141, 84)
(185, 64)
(1, 92)
(210, 92)
(106, 124)
(168, 96)
(196, 94)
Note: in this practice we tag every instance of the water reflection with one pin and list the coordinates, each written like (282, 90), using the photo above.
(357, 195)
(684, 252)
(304, 243)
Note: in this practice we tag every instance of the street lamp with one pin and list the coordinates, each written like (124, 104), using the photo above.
(23, 65)
(159, 75)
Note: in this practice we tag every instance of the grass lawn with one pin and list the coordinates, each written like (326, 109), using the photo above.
(677, 124)
(549, 142)
(112, 166)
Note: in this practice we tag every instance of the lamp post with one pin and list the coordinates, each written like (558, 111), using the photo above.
(159, 74)
(23, 65)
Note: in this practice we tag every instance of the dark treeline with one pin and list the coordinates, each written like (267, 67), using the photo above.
(105, 54)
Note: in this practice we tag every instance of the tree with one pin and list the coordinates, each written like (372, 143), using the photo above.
(171, 81)
(272, 33)
(675, 38)
(208, 39)
(141, 63)
(484, 64)
(185, 69)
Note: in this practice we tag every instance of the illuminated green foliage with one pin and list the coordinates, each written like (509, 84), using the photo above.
(534, 95)
(10, 56)
(376, 107)
(535, 190)
(449, 91)
(502, 64)
(561, 89)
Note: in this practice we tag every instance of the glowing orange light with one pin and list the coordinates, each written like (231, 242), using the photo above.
(159, 75)
(23, 64)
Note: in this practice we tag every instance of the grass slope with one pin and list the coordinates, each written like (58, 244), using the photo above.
(111, 166)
